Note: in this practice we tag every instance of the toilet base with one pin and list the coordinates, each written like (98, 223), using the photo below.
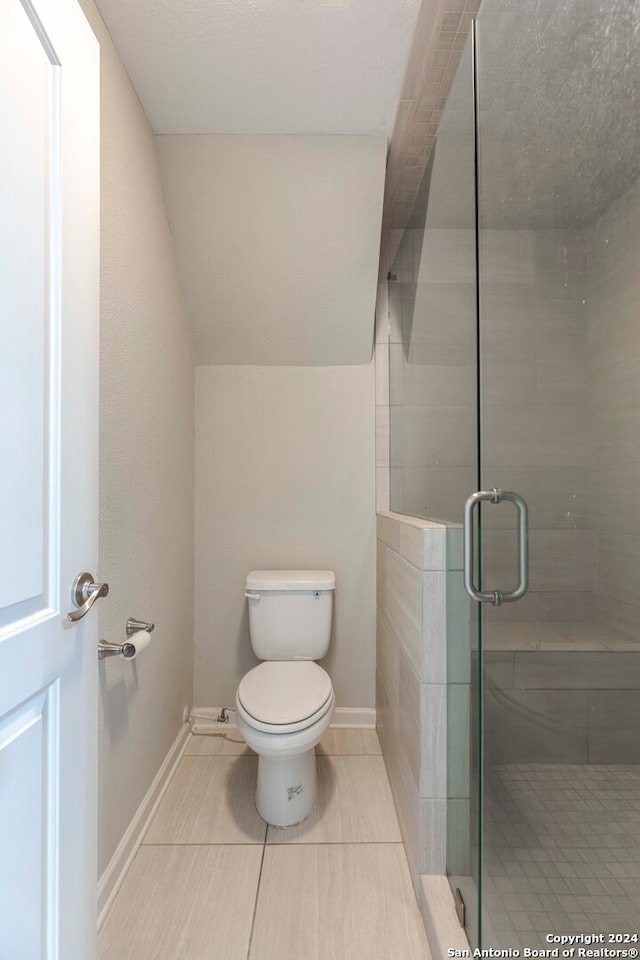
(286, 788)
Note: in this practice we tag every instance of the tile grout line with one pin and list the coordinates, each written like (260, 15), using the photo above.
(334, 843)
(255, 905)
(276, 843)
(206, 843)
(327, 756)
(340, 843)
(264, 848)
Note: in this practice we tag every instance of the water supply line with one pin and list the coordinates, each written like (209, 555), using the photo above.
(222, 718)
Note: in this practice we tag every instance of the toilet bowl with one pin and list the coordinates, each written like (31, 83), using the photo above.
(285, 705)
(286, 781)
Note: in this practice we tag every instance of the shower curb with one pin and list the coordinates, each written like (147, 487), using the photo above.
(439, 917)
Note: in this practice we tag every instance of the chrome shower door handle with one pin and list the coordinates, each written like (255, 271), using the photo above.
(480, 596)
(84, 594)
(496, 597)
(523, 545)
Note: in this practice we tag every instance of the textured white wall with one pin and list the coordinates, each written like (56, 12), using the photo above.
(284, 478)
(277, 240)
(146, 457)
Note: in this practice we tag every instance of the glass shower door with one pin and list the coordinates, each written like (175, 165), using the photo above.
(558, 565)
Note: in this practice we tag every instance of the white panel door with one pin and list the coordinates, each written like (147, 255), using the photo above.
(49, 298)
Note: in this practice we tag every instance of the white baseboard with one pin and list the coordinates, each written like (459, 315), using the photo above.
(355, 717)
(204, 718)
(114, 874)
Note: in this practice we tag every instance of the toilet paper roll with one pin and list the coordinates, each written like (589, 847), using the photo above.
(139, 641)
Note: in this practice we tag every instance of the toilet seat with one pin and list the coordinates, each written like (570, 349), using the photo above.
(283, 696)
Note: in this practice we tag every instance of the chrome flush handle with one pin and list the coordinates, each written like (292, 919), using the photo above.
(84, 594)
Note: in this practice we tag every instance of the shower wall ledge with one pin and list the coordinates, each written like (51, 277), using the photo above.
(411, 681)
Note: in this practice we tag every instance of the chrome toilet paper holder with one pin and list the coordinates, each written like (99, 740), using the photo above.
(126, 649)
(135, 626)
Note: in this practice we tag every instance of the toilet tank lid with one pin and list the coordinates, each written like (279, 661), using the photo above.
(291, 580)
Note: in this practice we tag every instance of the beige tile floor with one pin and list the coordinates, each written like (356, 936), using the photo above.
(211, 882)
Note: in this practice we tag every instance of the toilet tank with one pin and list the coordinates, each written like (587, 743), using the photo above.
(290, 613)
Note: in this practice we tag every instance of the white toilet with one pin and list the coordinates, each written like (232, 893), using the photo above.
(285, 705)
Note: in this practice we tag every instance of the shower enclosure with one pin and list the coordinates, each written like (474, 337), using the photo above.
(515, 366)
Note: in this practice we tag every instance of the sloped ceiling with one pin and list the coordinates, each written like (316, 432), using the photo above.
(273, 119)
(265, 66)
(277, 241)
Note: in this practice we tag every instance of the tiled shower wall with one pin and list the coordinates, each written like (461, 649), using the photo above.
(613, 304)
(537, 420)
(432, 377)
(569, 706)
(561, 389)
(411, 682)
